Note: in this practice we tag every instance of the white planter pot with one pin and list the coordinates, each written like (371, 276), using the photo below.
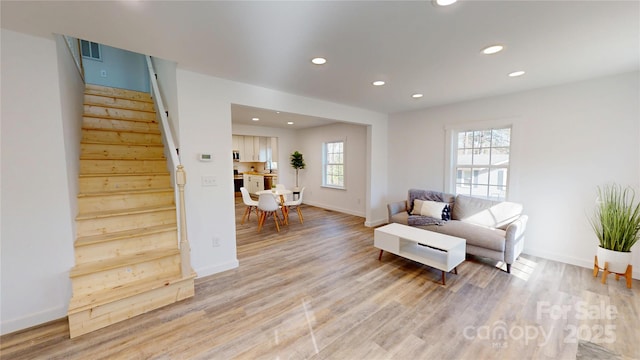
(617, 260)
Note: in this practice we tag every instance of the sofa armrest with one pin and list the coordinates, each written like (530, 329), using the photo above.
(514, 239)
(396, 207)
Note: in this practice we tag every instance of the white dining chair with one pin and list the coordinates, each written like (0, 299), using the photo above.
(295, 204)
(268, 206)
(251, 204)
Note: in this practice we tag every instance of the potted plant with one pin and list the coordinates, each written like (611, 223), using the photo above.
(297, 162)
(616, 222)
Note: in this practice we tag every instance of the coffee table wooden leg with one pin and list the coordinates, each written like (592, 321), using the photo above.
(443, 277)
(455, 270)
(380, 256)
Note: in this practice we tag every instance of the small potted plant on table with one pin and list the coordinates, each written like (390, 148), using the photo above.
(616, 222)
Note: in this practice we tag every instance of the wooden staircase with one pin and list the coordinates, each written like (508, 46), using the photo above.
(128, 261)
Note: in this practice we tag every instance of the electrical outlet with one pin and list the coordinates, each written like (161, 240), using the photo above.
(215, 242)
(209, 181)
(103, 73)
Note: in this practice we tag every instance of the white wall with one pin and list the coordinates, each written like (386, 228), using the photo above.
(125, 69)
(37, 226)
(567, 140)
(352, 199)
(205, 126)
(166, 71)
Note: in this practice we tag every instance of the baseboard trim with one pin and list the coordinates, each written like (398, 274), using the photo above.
(570, 260)
(333, 208)
(35, 319)
(214, 269)
(375, 223)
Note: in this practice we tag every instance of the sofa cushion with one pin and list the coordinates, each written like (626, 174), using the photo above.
(493, 239)
(432, 209)
(483, 212)
(400, 218)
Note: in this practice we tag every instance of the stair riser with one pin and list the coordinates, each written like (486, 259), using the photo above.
(95, 184)
(105, 315)
(110, 224)
(156, 269)
(115, 102)
(120, 125)
(124, 201)
(122, 166)
(101, 111)
(119, 93)
(127, 246)
(108, 151)
(114, 137)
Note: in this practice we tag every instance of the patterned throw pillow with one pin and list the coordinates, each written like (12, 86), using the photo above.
(446, 213)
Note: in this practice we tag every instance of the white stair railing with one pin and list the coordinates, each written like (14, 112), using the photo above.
(177, 171)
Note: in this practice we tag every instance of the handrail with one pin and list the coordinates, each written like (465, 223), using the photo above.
(178, 171)
(163, 114)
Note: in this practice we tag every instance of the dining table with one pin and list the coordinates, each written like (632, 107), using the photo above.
(281, 195)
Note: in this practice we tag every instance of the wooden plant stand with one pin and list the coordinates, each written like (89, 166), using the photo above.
(606, 272)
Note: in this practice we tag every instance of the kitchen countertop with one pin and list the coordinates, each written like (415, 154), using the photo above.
(256, 173)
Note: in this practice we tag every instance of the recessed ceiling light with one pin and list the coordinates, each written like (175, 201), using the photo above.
(255, 119)
(444, 2)
(489, 50)
(289, 122)
(516, 73)
(378, 83)
(417, 96)
(319, 61)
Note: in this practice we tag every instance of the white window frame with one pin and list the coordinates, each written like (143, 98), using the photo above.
(99, 58)
(451, 139)
(325, 163)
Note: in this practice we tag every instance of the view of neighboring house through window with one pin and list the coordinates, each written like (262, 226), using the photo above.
(90, 50)
(333, 159)
(482, 163)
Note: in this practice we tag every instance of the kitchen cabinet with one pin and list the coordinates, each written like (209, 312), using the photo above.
(253, 183)
(248, 153)
(255, 148)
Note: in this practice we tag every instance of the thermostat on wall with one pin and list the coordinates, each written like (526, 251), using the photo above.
(205, 157)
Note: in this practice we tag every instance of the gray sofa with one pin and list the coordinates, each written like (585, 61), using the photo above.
(492, 229)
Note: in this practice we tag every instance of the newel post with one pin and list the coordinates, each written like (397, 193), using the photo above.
(185, 249)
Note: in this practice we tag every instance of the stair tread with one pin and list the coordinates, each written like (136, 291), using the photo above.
(92, 89)
(120, 212)
(122, 174)
(117, 106)
(155, 132)
(86, 301)
(96, 239)
(120, 158)
(89, 142)
(126, 260)
(127, 192)
(109, 117)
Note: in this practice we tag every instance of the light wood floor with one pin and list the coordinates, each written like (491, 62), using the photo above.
(318, 291)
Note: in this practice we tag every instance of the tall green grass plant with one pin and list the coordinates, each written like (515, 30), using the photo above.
(616, 219)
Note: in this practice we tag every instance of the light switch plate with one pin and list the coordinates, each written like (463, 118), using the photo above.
(209, 180)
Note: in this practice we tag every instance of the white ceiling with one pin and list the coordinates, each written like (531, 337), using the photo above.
(414, 46)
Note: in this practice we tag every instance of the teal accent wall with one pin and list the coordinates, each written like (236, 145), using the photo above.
(118, 68)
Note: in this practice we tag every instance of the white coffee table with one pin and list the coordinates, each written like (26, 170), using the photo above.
(443, 252)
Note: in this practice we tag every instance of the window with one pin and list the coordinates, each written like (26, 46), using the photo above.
(90, 50)
(333, 164)
(481, 162)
